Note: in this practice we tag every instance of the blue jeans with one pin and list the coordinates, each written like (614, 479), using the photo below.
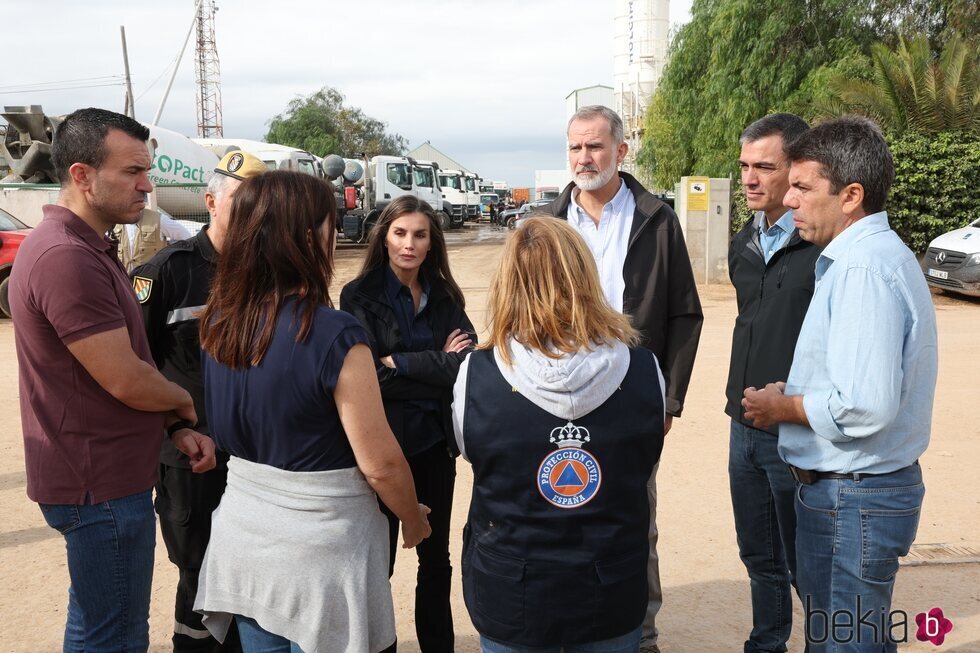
(763, 493)
(256, 639)
(110, 564)
(850, 535)
(628, 643)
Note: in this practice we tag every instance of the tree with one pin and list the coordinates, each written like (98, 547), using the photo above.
(913, 89)
(320, 123)
(737, 60)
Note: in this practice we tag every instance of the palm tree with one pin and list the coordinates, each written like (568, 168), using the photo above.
(912, 89)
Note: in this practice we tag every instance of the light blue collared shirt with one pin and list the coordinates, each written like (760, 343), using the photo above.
(774, 238)
(866, 359)
(609, 240)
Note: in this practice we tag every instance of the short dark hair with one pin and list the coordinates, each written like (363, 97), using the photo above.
(850, 150)
(787, 125)
(80, 138)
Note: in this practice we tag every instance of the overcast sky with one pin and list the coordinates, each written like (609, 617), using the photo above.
(484, 81)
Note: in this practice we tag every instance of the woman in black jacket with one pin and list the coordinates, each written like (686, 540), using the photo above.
(413, 310)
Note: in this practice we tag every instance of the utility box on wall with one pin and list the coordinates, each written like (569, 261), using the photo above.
(703, 206)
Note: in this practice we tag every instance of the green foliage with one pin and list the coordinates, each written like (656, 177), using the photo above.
(738, 60)
(320, 123)
(935, 187)
(912, 89)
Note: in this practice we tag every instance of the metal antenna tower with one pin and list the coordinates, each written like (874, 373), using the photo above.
(208, 74)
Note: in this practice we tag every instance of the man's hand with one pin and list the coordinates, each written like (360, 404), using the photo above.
(770, 406)
(387, 361)
(668, 422)
(199, 448)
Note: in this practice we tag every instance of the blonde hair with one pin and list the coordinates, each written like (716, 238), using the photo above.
(546, 295)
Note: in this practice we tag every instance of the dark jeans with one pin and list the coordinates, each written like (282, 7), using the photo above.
(763, 492)
(110, 563)
(850, 535)
(435, 477)
(185, 501)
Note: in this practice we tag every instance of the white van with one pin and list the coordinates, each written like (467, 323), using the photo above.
(952, 261)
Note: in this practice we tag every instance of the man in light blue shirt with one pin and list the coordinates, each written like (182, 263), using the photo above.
(856, 410)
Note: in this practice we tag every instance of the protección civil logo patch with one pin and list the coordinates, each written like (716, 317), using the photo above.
(571, 476)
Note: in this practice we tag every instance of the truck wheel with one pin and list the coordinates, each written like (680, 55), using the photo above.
(365, 232)
(5, 296)
(444, 222)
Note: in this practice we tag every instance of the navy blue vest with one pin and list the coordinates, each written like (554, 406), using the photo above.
(555, 548)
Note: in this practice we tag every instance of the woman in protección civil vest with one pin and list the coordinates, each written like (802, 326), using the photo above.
(562, 419)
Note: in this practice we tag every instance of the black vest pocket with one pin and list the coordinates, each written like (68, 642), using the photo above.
(498, 587)
(622, 589)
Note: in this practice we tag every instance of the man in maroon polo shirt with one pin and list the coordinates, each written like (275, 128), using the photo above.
(93, 406)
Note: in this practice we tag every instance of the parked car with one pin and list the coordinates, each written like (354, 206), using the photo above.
(514, 221)
(12, 233)
(952, 261)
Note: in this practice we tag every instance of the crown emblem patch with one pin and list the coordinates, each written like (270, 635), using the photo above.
(569, 477)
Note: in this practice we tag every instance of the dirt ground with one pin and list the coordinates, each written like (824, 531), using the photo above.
(706, 592)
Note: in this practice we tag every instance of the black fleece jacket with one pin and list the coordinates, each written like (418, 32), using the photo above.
(432, 374)
(772, 301)
(660, 297)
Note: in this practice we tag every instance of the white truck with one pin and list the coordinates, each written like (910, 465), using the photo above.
(275, 157)
(454, 188)
(388, 177)
(471, 182)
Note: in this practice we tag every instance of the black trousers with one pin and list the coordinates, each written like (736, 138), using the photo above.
(185, 501)
(434, 471)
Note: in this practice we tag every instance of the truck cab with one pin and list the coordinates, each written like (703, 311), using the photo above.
(472, 185)
(454, 188)
(427, 176)
(386, 178)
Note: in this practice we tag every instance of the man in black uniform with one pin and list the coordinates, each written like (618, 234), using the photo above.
(172, 289)
(772, 270)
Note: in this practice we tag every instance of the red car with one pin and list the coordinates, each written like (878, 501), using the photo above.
(12, 233)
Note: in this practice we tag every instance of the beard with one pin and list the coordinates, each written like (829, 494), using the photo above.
(595, 182)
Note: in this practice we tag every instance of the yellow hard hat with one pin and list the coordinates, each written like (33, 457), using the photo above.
(240, 165)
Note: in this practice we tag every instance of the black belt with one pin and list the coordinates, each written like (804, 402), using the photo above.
(808, 476)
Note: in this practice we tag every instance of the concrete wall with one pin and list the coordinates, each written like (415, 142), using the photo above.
(25, 203)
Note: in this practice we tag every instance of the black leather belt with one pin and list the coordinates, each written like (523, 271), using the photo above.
(808, 476)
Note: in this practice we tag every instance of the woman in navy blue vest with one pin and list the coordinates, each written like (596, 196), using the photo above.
(562, 420)
(412, 309)
(297, 551)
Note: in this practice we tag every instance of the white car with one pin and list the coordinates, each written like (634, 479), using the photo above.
(952, 261)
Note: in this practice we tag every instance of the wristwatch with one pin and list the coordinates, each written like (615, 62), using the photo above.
(179, 424)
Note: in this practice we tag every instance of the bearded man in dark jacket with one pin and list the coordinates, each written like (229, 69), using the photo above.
(645, 273)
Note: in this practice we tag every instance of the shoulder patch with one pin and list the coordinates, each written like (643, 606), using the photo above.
(142, 286)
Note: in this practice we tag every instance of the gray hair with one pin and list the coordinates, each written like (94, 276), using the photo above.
(598, 111)
(218, 184)
(787, 125)
(849, 150)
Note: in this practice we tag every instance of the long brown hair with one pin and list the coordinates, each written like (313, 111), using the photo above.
(546, 294)
(273, 249)
(436, 263)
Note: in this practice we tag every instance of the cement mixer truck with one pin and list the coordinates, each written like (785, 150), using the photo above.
(387, 177)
